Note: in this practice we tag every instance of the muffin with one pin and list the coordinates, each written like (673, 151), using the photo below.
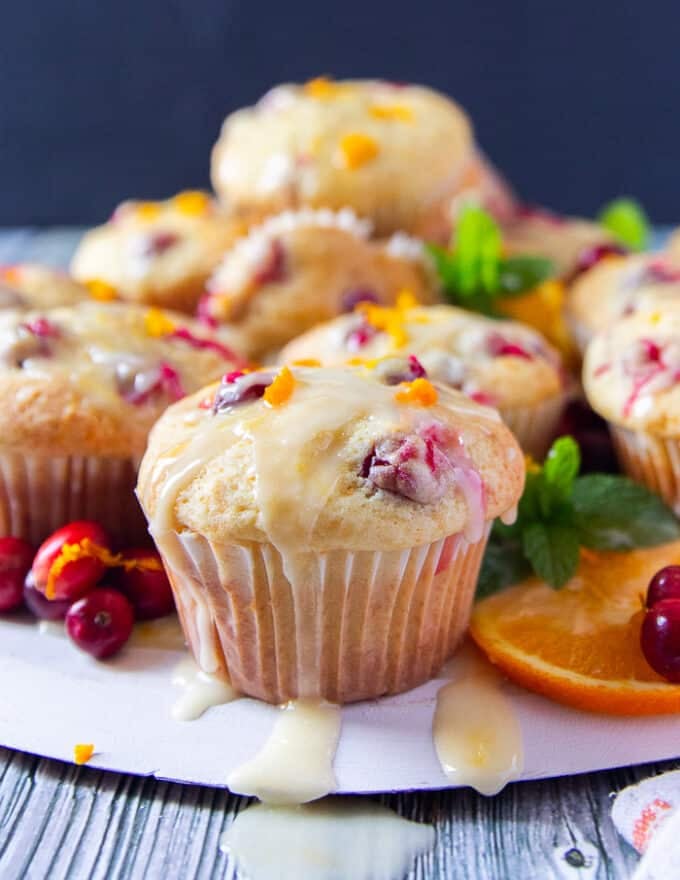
(32, 286)
(398, 154)
(497, 363)
(80, 387)
(157, 253)
(300, 268)
(323, 530)
(617, 286)
(567, 241)
(631, 377)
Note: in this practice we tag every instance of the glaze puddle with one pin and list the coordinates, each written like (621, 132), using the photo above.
(295, 765)
(200, 691)
(328, 840)
(476, 733)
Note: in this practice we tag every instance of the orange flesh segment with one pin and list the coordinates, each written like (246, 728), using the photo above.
(581, 645)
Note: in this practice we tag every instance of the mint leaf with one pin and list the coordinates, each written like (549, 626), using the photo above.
(504, 564)
(561, 465)
(626, 220)
(444, 264)
(517, 275)
(614, 513)
(552, 550)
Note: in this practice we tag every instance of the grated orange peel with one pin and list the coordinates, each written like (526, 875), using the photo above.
(88, 549)
(419, 392)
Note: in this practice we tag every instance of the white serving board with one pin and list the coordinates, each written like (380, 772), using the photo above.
(53, 697)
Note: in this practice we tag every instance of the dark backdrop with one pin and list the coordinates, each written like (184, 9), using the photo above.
(102, 100)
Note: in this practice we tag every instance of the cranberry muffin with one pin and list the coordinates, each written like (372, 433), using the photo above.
(619, 285)
(631, 376)
(300, 268)
(32, 286)
(157, 253)
(323, 529)
(498, 363)
(80, 387)
(399, 154)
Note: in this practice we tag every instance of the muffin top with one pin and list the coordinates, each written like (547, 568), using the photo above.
(300, 268)
(158, 253)
(564, 240)
(631, 372)
(92, 379)
(617, 286)
(311, 458)
(336, 144)
(32, 286)
(498, 363)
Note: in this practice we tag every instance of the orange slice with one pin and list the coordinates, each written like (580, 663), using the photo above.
(581, 645)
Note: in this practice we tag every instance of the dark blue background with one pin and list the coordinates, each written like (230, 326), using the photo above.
(100, 100)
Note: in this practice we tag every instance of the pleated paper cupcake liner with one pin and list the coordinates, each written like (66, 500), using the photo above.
(340, 625)
(40, 493)
(654, 461)
(535, 426)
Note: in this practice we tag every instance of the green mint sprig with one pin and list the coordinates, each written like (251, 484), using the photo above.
(627, 221)
(560, 512)
(475, 274)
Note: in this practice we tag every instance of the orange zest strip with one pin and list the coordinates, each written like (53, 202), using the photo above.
(157, 323)
(87, 549)
(307, 362)
(191, 202)
(390, 319)
(322, 88)
(357, 149)
(147, 210)
(101, 290)
(397, 112)
(419, 392)
(281, 388)
(82, 752)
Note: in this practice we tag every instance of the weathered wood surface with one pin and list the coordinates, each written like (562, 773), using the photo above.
(59, 821)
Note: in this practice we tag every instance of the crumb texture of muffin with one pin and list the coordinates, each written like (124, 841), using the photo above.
(300, 268)
(157, 253)
(300, 496)
(498, 363)
(336, 144)
(33, 286)
(80, 388)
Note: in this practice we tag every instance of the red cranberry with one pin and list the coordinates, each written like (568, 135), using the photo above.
(359, 336)
(194, 341)
(351, 298)
(100, 623)
(394, 370)
(42, 328)
(148, 590)
(162, 379)
(77, 577)
(273, 269)
(204, 312)
(238, 387)
(659, 272)
(660, 638)
(412, 466)
(158, 243)
(16, 556)
(664, 585)
(498, 346)
(39, 606)
(593, 255)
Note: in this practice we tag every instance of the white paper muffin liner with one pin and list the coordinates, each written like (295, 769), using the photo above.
(535, 426)
(40, 493)
(654, 461)
(340, 625)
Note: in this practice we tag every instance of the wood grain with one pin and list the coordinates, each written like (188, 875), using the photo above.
(59, 821)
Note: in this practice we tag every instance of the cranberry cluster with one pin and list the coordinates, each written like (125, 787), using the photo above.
(660, 633)
(98, 594)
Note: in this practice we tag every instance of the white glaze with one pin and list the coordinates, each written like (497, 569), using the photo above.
(200, 691)
(334, 838)
(295, 765)
(476, 733)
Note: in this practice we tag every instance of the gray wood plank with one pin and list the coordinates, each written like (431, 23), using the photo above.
(62, 822)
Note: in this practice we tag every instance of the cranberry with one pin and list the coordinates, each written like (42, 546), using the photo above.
(239, 387)
(394, 370)
(77, 577)
(659, 272)
(100, 623)
(664, 585)
(148, 590)
(351, 298)
(16, 556)
(660, 638)
(273, 268)
(593, 255)
(204, 311)
(359, 336)
(39, 606)
(498, 346)
(161, 379)
(42, 328)
(158, 243)
(194, 341)
(409, 465)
